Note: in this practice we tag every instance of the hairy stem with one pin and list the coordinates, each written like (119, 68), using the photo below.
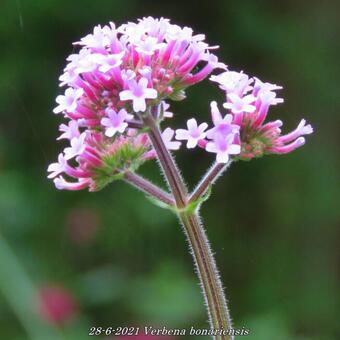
(149, 188)
(168, 165)
(208, 179)
(205, 264)
(208, 274)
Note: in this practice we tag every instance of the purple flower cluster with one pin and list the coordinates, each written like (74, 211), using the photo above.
(243, 131)
(121, 74)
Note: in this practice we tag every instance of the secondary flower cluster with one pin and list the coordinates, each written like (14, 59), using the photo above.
(119, 73)
(243, 131)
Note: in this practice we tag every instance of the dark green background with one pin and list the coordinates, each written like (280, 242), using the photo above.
(273, 223)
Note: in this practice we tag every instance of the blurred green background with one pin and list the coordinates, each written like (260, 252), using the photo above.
(273, 223)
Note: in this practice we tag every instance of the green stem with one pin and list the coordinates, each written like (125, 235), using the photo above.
(208, 274)
(205, 264)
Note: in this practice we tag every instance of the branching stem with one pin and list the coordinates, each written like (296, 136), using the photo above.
(205, 264)
(148, 188)
(208, 179)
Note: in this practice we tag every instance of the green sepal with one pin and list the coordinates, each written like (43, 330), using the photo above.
(189, 209)
(177, 95)
(125, 158)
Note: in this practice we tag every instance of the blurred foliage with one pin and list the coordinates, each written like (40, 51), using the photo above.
(273, 223)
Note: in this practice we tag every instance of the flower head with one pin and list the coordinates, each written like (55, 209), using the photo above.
(248, 113)
(120, 75)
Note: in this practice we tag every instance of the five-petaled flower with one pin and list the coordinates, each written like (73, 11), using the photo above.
(116, 121)
(193, 134)
(77, 147)
(149, 45)
(109, 62)
(138, 92)
(239, 104)
(70, 130)
(68, 102)
(223, 146)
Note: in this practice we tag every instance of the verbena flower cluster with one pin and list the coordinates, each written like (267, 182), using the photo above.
(122, 73)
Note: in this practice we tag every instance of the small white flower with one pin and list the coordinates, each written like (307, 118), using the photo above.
(167, 136)
(98, 39)
(68, 102)
(148, 46)
(69, 131)
(108, 62)
(231, 81)
(56, 169)
(77, 147)
(240, 104)
(193, 134)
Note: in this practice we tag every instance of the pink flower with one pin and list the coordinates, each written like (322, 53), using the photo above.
(223, 146)
(61, 184)
(97, 40)
(289, 142)
(119, 72)
(222, 125)
(69, 131)
(138, 93)
(116, 121)
(108, 62)
(56, 169)
(167, 136)
(77, 147)
(68, 102)
(233, 82)
(68, 77)
(302, 129)
(249, 113)
(149, 45)
(240, 104)
(193, 134)
(259, 85)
